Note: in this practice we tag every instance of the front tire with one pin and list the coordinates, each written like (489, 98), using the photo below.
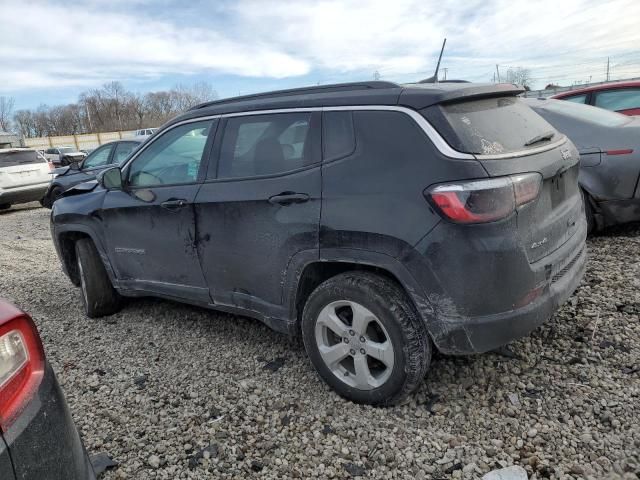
(365, 339)
(5, 206)
(99, 298)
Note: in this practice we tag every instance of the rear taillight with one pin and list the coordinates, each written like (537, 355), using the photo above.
(486, 200)
(21, 363)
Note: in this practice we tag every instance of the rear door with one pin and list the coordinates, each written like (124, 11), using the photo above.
(150, 225)
(22, 168)
(260, 206)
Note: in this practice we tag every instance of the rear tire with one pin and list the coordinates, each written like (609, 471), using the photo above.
(99, 298)
(5, 206)
(381, 346)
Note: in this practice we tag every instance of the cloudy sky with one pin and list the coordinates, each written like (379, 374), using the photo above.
(52, 50)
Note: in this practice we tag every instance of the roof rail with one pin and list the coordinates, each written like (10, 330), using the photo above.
(336, 87)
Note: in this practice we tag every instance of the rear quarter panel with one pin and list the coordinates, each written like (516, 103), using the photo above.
(373, 198)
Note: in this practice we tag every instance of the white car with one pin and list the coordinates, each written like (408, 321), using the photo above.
(24, 176)
(144, 132)
(63, 156)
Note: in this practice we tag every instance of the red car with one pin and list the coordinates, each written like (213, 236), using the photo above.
(622, 97)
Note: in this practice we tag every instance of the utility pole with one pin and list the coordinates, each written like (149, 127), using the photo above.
(494, 77)
(607, 69)
(89, 117)
(445, 72)
(498, 72)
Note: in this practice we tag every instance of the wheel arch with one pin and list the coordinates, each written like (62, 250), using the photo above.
(306, 276)
(66, 240)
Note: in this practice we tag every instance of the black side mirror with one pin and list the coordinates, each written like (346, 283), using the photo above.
(75, 165)
(110, 179)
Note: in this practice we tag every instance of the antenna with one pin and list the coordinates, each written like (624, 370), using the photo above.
(434, 78)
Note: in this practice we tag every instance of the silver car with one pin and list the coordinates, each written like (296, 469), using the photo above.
(609, 146)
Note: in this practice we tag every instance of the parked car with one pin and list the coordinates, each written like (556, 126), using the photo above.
(622, 97)
(378, 220)
(609, 146)
(144, 133)
(24, 176)
(38, 439)
(109, 154)
(62, 156)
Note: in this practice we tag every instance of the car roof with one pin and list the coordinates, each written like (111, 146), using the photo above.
(595, 88)
(415, 95)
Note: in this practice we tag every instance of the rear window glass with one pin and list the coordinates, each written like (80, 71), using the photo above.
(11, 159)
(587, 113)
(623, 99)
(490, 126)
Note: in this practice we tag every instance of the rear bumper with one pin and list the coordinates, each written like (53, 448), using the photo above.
(485, 333)
(29, 193)
(492, 297)
(43, 442)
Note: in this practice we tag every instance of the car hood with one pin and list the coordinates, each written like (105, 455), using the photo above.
(81, 188)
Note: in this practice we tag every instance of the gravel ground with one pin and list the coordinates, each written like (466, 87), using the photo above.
(172, 391)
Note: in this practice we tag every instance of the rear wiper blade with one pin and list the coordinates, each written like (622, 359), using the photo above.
(541, 138)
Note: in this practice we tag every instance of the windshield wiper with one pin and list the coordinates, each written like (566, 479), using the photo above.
(541, 138)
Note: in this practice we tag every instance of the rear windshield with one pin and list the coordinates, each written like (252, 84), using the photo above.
(490, 126)
(11, 159)
(587, 113)
(66, 150)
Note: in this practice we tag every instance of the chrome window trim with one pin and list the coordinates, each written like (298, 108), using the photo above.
(437, 140)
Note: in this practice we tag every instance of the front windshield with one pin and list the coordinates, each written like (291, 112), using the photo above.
(66, 150)
(587, 113)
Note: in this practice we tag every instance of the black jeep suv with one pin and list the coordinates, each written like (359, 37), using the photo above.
(379, 220)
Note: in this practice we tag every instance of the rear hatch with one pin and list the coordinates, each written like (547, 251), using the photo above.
(21, 168)
(508, 138)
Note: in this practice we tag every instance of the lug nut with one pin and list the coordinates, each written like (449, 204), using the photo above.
(362, 340)
(346, 340)
(352, 351)
(352, 333)
(362, 351)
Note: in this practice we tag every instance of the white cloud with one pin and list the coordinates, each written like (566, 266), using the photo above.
(47, 45)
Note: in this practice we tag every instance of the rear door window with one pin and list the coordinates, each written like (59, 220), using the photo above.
(123, 150)
(338, 139)
(622, 99)
(14, 158)
(98, 158)
(256, 145)
(490, 126)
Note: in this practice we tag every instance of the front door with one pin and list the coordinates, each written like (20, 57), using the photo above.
(150, 224)
(260, 207)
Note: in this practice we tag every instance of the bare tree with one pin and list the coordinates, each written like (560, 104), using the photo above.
(519, 76)
(111, 107)
(6, 108)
